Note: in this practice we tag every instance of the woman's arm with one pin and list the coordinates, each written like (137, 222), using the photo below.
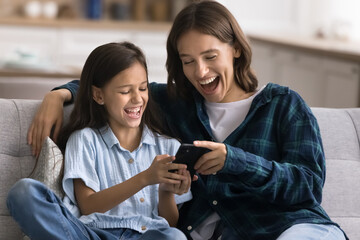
(296, 176)
(50, 115)
(283, 163)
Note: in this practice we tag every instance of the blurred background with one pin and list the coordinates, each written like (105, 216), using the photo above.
(313, 46)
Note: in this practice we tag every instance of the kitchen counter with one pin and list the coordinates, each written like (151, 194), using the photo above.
(346, 50)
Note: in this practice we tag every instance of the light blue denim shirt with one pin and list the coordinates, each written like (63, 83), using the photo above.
(96, 157)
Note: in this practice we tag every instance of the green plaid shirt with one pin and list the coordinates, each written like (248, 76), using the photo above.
(274, 170)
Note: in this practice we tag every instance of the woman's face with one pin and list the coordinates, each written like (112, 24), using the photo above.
(125, 97)
(208, 65)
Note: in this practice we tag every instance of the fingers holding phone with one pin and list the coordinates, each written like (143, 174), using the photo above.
(179, 188)
(213, 161)
(159, 171)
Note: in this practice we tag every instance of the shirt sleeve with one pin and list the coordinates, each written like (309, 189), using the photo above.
(72, 86)
(297, 177)
(80, 162)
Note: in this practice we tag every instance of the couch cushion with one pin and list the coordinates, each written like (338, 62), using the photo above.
(48, 168)
(340, 129)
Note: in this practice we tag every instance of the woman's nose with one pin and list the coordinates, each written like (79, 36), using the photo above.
(201, 69)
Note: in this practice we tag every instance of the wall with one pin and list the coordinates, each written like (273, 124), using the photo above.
(337, 19)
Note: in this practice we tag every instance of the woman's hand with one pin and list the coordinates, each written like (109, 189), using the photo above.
(49, 115)
(182, 187)
(213, 161)
(158, 172)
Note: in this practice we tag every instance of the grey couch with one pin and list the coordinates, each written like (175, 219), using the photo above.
(340, 129)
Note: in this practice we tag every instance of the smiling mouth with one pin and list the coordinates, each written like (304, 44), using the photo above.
(210, 84)
(133, 112)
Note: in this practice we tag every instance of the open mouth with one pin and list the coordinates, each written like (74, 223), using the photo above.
(133, 112)
(209, 85)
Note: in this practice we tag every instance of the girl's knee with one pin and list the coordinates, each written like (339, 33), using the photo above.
(22, 192)
(164, 234)
(177, 234)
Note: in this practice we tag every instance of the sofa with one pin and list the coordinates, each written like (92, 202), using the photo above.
(340, 130)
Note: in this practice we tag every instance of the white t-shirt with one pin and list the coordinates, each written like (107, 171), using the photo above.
(224, 119)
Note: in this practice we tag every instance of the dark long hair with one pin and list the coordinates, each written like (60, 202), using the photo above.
(211, 18)
(104, 63)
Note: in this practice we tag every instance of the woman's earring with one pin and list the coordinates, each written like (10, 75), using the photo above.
(173, 81)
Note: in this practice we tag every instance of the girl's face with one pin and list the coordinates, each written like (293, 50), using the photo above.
(125, 97)
(208, 65)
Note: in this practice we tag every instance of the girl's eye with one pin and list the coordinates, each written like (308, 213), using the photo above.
(124, 92)
(143, 89)
(187, 62)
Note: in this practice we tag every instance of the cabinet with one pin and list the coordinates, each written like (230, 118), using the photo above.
(64, 49)
(321, 80)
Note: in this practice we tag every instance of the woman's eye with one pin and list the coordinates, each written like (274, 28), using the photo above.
(124, 92)
(211, 57)
(143, 89)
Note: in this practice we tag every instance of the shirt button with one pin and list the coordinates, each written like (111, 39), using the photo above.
(143, 228)
(189, 228)
(214, 202)
(130, 160)
(142, 199)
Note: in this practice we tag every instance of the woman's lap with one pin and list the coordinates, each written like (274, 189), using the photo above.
(306, 231)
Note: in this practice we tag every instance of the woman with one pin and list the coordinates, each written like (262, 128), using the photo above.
(263, 178)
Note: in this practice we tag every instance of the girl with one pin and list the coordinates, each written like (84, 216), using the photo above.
(110, 177)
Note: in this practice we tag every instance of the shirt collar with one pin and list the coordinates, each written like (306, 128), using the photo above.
(266, 95)
(110, 139)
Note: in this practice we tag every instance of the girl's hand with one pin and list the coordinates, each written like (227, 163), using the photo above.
(158, 172)
(213, 161)
(182, 187)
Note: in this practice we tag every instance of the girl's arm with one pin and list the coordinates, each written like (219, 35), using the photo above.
(168, 208)
(167, 205)
(90, 201)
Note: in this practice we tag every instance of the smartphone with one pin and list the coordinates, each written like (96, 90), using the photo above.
(189, 154)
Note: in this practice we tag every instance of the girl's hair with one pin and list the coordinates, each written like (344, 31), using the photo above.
(211, 18)
(104, 63)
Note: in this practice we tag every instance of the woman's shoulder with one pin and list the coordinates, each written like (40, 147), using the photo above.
(282, 95)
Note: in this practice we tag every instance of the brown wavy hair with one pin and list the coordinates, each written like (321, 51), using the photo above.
(104, 63)
(211, 18)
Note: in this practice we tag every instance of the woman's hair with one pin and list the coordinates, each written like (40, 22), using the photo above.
(104, 63)
(211, 18)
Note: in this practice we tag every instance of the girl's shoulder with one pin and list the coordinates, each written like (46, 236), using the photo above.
(84, 134)
(164, 143)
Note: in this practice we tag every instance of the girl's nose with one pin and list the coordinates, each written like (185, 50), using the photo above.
(136, 97)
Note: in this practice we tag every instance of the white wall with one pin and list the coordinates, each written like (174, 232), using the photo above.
(335, 18)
